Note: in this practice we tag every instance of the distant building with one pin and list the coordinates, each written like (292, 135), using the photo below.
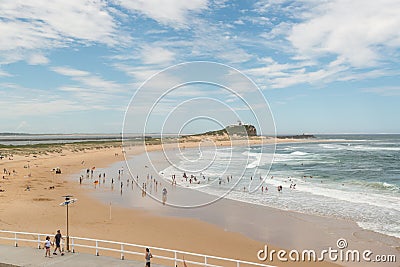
(241, 129)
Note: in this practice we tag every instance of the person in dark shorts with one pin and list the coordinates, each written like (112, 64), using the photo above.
(47, 245)
(148, 256)
(57, 241)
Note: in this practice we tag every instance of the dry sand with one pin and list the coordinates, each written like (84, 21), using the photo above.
(38, 210)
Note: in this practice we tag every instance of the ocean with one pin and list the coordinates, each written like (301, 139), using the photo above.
(353, 177)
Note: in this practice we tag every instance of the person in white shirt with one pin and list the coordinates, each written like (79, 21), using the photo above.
(47, 245)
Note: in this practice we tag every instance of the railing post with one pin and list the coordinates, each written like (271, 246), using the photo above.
(16, 240)
(72, 245)
(38, 241)
(122, 252)
(205, 260)
(237, 264)
(97, 248)
(175, 258)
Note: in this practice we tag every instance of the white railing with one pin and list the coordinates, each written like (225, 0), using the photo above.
(175, 256)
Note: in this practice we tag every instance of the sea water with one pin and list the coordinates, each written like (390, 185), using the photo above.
(354, 177)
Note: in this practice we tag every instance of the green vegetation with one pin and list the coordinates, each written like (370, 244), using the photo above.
(240, 130)
(44, 149)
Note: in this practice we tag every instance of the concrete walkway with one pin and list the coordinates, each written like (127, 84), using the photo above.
(11, 256)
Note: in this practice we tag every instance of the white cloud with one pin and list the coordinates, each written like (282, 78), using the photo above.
(93, 89)
(384, 90)
(38, 59)
(33, 108)
(139, 73)
(263, 6)
(235, 55)
(301, 76)
(4, 73)
(333, 40)
(174, 13)
(357, 31)
(22, 101)
(256, 20)
(156, 55)
(67, 71)
(239, 22)
(34, 102)
(214, 41)
(275, 75)
(220, 3)
(89, 80)
(40, 24)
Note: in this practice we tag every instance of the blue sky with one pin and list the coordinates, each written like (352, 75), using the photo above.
(73, 66)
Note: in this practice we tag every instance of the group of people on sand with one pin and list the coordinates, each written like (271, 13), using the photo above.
(149, 185)
(8, 173)
(56, 241)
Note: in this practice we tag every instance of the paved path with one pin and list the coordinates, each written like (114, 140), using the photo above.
(11, 256)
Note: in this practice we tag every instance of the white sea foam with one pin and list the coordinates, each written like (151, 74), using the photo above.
(392, 229)
(256, 162)
(371, 203)
(257, 159)
(299, 153)
(372, 148)
(391, 186)
(355, 197)
(332, 146)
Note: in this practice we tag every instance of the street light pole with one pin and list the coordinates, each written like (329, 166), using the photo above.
(66, 203)
(67, 229)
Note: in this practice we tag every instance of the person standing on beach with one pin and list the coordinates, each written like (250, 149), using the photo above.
(164, 195)
(47, 245)
(147, 257)
(57, 240)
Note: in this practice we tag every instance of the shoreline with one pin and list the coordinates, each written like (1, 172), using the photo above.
(297, 224)
(47, 201)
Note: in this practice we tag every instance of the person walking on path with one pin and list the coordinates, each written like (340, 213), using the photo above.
(147, 257)
(47, 245)
(57, 240)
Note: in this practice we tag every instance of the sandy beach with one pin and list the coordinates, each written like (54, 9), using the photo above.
(263, 131)
(197, 230)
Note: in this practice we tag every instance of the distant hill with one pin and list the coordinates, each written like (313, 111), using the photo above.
(239, 130)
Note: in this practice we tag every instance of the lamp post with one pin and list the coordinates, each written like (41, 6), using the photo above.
(66, 203)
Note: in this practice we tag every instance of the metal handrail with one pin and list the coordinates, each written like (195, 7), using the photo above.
(123, 250)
